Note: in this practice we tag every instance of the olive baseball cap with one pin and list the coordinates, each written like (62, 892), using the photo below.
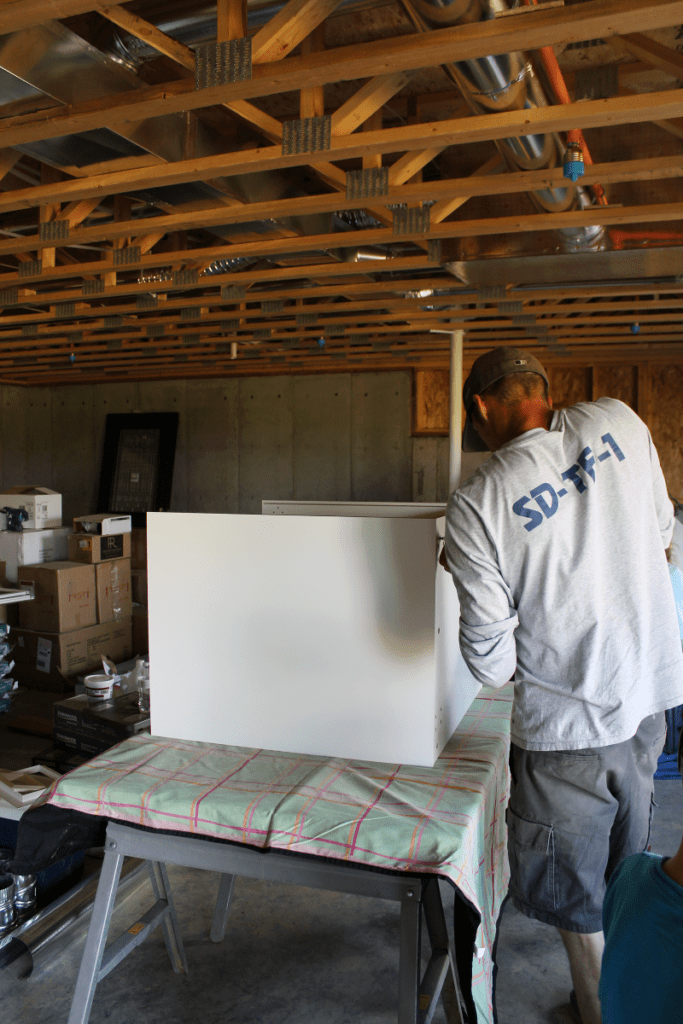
(487, 369)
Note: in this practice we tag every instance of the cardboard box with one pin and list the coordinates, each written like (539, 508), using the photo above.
(44, 506)
(138, 554)
(138, 580)
(32, 546)
(65, 597)
(113, 584)
(81, 742)
(93, 547)
(45, 661)
(140, 637)
(103, 523)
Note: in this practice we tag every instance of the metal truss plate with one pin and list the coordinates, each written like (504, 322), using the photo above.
(306, 135)
(115, 345)
(95, 287)
(270, 306)
(306, 319)
(434, 250)
(526, 320)
(9, 297)
(596, 83)
(185, 277)
(53, 230)
(191, 313)
(233, 292)
(491, 293)
(368, 183)
(229, 325)
(359, 339)
(510, 307)
(155, 330)
(411, 220)
(146, 302)
(74, 336)
(335, 330)
(113, 321)
(32, 268)
(123, 257)
(262, 333)
(222, 63)
(29, 331)
(190, 339)
(180, 357)
(65, 309)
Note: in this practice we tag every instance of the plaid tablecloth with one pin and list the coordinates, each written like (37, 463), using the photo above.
(448, 820)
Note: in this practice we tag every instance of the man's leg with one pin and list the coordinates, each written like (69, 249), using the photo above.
(584, 950)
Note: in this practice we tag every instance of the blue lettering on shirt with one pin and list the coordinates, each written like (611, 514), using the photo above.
(548, 499)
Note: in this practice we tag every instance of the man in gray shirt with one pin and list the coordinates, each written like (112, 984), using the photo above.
(557, 549)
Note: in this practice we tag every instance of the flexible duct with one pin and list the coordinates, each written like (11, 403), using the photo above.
(508, 82)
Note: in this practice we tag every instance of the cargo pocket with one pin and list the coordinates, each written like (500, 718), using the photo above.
(531, 849)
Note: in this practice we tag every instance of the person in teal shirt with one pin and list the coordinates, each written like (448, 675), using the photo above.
(642, 965)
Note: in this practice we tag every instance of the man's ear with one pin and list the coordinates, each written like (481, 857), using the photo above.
(550, 401)
(480, 411)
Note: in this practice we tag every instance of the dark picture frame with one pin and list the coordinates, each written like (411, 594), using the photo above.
(137, 464)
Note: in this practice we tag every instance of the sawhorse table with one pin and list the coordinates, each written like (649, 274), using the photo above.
(417, 997)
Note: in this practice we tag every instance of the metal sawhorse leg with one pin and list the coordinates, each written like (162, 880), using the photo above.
(97, 961)
(417, 998)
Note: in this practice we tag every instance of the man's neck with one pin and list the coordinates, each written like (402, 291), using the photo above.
(530, 414)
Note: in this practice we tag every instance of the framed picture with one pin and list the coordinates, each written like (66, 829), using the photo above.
(137, 464)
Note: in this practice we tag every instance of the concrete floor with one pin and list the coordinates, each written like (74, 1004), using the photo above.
(300, 956)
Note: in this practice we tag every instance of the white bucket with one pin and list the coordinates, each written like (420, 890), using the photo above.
(98, 687)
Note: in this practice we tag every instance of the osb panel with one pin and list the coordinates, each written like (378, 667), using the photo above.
(569, 385)
(432, 400)
(616, 382)
(666, 423)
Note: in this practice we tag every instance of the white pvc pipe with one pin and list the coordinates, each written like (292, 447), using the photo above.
(455, 420)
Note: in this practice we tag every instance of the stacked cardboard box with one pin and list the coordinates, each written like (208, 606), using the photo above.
(139, 590)
(81, 611)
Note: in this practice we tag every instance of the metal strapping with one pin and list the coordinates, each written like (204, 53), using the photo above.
(32, 268)
(53, 230)
(367, 183)
(233, 292)
(222, 63)
(410, 220)
(95, 287)
(182, 277)
(491, 293)
(306, 135)
(122, 257)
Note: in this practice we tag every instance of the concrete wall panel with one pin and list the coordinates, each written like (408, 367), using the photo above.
(322, 437)
(171, 396)
(16, 464)
(381, 449)
(424, 469)
(212, 445)
(39, 436)
(75, 459)
(265, 440)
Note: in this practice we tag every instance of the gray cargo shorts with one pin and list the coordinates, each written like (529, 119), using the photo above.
(573, 816)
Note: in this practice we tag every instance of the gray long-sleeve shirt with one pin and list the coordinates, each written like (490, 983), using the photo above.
(556, 546)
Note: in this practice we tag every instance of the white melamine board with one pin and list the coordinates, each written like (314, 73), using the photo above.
(368, 509)
(313, 634)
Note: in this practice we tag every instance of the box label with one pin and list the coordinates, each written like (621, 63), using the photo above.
(43, 655)
(112, 546)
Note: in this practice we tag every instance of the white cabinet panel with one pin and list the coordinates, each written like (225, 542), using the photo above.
(313, 633)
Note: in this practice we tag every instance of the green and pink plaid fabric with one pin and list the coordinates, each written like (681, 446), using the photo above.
(447, 820)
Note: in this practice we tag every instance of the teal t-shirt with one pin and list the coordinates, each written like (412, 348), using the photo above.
(642, 966)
